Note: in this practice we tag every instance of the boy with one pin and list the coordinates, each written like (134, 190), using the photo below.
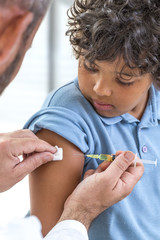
(112, 105)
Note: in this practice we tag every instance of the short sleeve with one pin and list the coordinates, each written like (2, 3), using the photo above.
(62, 121)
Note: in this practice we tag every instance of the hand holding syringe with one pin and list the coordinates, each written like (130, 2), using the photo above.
(110, 158)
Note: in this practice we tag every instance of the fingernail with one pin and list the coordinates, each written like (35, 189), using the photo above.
(54, 149)
(129, 156)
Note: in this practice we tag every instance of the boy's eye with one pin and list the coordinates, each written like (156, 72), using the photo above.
(124, 83)
(90, 69)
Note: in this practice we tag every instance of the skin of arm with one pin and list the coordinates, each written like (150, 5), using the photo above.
(52, 183)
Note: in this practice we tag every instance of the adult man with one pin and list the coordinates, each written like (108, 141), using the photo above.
(19, 21)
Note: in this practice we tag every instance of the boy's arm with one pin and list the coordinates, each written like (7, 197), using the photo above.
(52, 183)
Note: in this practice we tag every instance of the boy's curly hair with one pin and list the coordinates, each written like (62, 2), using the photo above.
(107, 29)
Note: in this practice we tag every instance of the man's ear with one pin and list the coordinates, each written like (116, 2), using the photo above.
(11, 37)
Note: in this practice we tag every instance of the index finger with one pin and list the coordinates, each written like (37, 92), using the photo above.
(22, 133)
(102, 167)
(20, 146)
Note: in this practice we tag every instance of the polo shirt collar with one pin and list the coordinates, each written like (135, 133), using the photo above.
(151, 114)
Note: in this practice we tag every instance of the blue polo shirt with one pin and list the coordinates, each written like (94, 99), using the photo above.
(70, 115)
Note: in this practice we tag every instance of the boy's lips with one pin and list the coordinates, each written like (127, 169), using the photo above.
(102, 106)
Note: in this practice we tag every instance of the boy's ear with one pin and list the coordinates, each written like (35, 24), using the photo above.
(11, 36)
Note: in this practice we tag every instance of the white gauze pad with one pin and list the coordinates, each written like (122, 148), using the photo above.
(59, 154)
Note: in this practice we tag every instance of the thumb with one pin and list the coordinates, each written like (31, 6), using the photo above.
(120, 164)
(32, 162)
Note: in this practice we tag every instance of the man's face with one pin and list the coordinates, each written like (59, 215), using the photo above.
(17, 30)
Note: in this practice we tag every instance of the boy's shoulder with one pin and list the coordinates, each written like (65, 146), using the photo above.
(68, 95)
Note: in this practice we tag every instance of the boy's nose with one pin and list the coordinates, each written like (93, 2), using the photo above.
(101, 88)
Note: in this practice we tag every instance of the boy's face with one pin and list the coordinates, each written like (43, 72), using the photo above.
(111, 93)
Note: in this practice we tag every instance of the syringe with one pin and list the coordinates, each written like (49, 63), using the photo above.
(110, 158)
(103, 157)
(145, 161)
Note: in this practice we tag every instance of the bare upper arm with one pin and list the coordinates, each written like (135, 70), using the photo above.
(52, 183)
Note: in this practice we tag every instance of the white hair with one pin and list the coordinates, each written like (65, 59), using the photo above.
(34, 5)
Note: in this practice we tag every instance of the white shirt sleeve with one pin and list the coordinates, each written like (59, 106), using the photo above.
(30, 229)
(68, 230)
(18, 229)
